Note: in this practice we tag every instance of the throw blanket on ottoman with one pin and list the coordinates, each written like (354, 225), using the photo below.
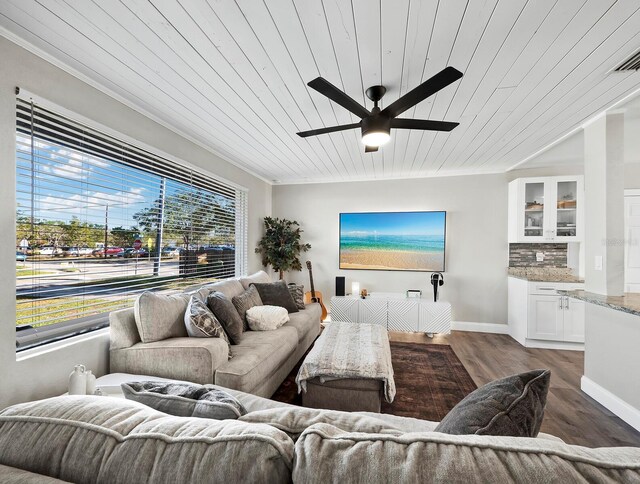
(350, 350)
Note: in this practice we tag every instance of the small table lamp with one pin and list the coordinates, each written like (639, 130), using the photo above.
(355, 288)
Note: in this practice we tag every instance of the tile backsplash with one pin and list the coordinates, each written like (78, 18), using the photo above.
(524, 255)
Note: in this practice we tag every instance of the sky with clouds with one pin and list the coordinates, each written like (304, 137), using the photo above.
(69, 183)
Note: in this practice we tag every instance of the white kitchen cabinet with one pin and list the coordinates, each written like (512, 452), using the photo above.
(573, 322)
(539, 317)
(556, 318)
(546, 318)
(546, 209)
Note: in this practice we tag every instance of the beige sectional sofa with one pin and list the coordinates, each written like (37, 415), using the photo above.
(261, 360)
(105, 439)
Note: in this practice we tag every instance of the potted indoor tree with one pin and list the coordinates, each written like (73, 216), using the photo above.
(280, 247)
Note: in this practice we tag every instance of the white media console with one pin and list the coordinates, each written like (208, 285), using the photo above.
(394, 311)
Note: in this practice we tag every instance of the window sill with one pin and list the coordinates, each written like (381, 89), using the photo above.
(56, 345)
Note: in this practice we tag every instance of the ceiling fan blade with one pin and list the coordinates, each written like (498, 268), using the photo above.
(325, 88)
(330, 129)
(429, 87)
(370, 149)
(425, 124)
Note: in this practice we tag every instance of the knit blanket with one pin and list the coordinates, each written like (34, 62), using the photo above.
(350, 350)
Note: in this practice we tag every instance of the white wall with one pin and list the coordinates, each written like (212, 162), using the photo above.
(632, 175)
(604, 204)
(46, 374)
(476, 246)
(612, 359)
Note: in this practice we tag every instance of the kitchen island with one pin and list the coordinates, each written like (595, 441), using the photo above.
(612, 352)
(628, 303)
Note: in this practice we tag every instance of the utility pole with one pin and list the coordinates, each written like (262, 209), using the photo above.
(106, 229)
(159, 224)
(33, 174)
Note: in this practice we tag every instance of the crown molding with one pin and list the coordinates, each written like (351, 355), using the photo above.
(390, 178)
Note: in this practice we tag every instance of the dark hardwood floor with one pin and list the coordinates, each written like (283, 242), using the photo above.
(570, 414)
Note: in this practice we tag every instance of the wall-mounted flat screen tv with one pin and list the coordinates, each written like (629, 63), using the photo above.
(393, 241)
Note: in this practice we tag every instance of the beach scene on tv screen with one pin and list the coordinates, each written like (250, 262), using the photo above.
(400, 241)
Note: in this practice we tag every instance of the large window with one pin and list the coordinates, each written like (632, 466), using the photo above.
(100, 220)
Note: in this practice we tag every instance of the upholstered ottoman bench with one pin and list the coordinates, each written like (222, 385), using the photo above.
(349, 369)
(348, 395)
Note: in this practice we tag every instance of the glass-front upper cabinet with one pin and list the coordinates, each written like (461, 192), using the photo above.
(566, 208)
(546, 209)
(533, 209)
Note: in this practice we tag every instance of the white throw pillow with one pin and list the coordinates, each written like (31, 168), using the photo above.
(266, 318)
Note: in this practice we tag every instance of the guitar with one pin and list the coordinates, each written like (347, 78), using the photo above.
(314, 296)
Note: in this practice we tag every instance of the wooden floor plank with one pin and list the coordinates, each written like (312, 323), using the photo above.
(570, 414)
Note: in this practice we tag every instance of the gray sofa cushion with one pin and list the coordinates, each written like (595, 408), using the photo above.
(160, 316)
(101, 439)
(325, 453)
(184, 399)
(123, 331)
(260, 276)
(256, 358)
(228, 287)
(13, 475)
(297, 293)
(306, 321)
(276, 294)
(512, 406)
(295, 420)
(192, 359)
(201, 322)
(227, 314)
(245, 301)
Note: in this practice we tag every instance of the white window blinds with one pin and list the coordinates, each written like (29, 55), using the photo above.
(100, 220)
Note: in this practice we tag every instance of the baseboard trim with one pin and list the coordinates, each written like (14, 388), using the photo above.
(622, 409)
(480, 327)
(554, 345)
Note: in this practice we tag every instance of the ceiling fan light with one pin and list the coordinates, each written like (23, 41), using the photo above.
(375, 130)
(375, 138)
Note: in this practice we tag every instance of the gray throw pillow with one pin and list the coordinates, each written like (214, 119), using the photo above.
(509, 407)
(276, 294)
(184, 399)
(226, 313)
(201, 322)
(160, 316)
(297, 293)
(245, 301)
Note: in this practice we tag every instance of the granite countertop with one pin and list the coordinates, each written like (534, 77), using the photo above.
(544, 274)
(629, 303)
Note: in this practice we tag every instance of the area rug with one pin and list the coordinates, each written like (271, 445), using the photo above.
(430, 381)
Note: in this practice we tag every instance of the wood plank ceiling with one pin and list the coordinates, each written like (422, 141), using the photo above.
(232, 74)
